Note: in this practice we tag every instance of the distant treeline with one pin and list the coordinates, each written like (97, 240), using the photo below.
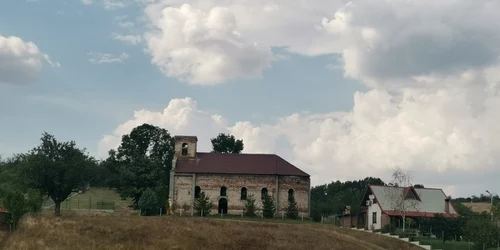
(474, 198)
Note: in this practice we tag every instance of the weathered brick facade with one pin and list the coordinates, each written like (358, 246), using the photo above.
(184, 184)
(211, 185)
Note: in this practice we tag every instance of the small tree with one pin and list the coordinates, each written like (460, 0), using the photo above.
(148, 203)
(268, 207)
(34, 201)
(16, 204)
(292, 211)
(397, 195)
(250, 207)
(203, 205)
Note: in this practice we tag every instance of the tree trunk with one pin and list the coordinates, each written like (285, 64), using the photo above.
(404, 222)
(57, 211)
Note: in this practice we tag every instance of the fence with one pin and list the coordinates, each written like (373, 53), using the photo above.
(89, 204)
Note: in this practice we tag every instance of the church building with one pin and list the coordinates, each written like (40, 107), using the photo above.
(228, 179)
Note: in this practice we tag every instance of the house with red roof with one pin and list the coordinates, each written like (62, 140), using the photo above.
(387, 204)
(229, 179)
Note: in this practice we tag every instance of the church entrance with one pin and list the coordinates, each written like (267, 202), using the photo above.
(223, 206)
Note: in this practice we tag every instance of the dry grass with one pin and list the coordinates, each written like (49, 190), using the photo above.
(478, 207)
(107, 231)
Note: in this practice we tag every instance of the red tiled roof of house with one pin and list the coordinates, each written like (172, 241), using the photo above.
(259, 164)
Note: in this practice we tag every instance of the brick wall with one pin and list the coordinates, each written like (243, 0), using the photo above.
(211, 184)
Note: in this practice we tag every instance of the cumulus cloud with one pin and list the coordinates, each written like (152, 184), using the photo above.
(432, 68)
(20, 61)
(202, 47)
(101, 58)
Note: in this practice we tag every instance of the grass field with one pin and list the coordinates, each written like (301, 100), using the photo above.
(92, 231)
(448, 245)
(94, 198)
(478, 207)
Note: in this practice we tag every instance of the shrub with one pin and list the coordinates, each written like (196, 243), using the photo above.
(268, 207)
(250, 207)
(148, 203)
(34, 201)
(203, 205)
(17, 206)
(292, 211)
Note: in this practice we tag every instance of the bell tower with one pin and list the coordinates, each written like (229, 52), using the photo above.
(185, 146)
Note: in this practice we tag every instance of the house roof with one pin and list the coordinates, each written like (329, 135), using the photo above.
(428, 201)
(258, 164)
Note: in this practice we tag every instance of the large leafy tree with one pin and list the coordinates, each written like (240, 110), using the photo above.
(142, 161)
(332, 198)
(227, 144)
(57, 169)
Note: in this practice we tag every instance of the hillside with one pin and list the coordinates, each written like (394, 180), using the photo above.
(478, 207)
(90, 231)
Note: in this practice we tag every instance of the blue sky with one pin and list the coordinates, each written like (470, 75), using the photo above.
(81, 101)
(341, 90)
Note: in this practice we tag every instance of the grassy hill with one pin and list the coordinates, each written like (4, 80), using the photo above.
(94, 198)
(107, 231)
(478, 207)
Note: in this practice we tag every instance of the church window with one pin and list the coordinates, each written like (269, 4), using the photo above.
(197, 191)
(243, 193)
(184, 149)
(290, 194)
(263, 193)
(223, 191)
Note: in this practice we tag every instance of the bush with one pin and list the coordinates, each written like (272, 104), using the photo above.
(34, 201)
(292, 211)
(148, 203)
(17, 206)
(268, 207)
(203, 205)
(250, 207)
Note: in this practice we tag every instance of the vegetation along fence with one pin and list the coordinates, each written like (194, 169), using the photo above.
(89, 204)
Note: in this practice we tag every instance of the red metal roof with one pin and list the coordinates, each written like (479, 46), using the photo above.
(259, 164)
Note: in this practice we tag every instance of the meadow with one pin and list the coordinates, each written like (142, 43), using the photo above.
(98, 230)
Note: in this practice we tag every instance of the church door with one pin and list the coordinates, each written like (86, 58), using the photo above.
(223, 206)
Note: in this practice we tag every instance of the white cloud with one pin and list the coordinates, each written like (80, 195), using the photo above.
(100, 58)
(202, 47)
(127, 24)
(87, 2)
(132, 39)
(20, 61)
(432, 67)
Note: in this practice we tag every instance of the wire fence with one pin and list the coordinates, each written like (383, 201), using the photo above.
(89, 204)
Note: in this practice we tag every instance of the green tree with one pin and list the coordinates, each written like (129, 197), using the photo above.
(481, 230)
(57, 169)
(250, 207)
(227, 144)
(268, 207)
(143, 160)
(444, 228)
(148, 203)
(203, 205)
(292, 211)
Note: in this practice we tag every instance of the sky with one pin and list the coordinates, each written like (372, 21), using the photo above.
(341, 89)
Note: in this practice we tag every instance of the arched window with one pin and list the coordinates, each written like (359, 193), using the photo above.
(243, 193)
(197, 191)
(223, 191)
(263, 193)
(290, 194)
(184, 148)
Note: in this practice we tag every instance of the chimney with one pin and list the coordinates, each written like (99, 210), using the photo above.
(447, 205)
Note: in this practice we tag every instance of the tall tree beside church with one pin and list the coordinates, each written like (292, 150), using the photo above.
(143, 160)
(57, 169)
(227, 144)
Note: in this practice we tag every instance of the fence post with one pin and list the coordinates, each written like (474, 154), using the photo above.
(78, 204)
(442, 239)
(90, 203)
